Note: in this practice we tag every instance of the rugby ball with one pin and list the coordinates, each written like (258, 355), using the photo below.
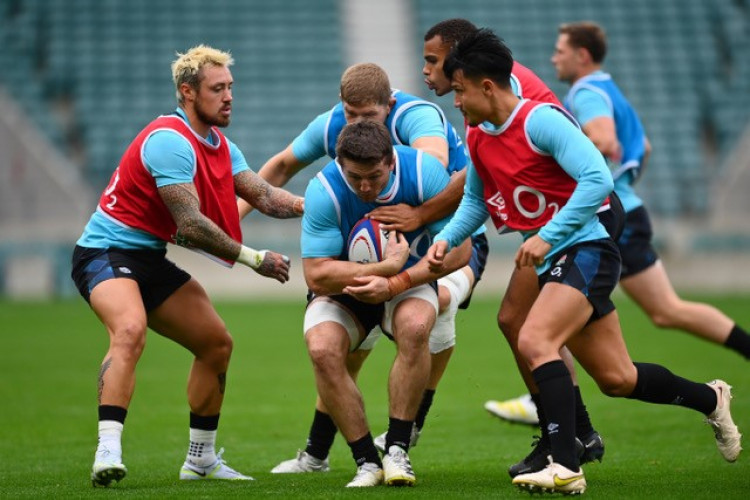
(367, 241)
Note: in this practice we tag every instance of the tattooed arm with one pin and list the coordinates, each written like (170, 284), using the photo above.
(272, 201)
(196, 230)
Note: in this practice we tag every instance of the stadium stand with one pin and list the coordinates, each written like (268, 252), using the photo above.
(91, 73)
(683, 65)
(111, 59)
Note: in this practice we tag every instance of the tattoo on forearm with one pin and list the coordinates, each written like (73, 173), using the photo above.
(272, 201)
(105, 366)
(195, 229)
(222, 382)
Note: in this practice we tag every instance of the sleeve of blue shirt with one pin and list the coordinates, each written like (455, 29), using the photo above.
(310, 144)
(470, 214)
(420, 121)
(169, 157)
(239, 164)
(589, 104)
(321, 233)
(434, 180)
(553, 133)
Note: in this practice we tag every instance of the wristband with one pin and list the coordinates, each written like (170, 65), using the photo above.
(299, 206)
(399, 283)
(251, 257)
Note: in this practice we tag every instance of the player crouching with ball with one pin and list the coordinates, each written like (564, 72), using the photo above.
(396, 293)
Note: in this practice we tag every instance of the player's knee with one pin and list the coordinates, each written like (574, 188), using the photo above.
(129, 340)
(507, 321)
(444, 299)
(218, 349)
(664, 319)
(413, 333)
(324, 358)
(615, 384)
(531, 348)
(442, 337)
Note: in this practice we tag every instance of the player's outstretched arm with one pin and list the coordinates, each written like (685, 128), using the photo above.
(405, 218)
(276, 171)
(275, 202)
(195, 230)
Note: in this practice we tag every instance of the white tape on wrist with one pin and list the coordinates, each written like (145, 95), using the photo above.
(251, 257)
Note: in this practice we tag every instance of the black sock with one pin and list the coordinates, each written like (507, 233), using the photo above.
(322, 433)
(583, 423)
(399, 433)
(542, 417)
(557, 396)
(739, 341)
(109, 412)
(209, 423)
(424, 407)
(658, 385)
(363, 450)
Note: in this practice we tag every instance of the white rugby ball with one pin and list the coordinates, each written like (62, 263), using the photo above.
(367, 241)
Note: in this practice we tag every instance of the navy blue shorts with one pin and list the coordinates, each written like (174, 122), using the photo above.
(368, 315)
(635, 243)
(479, 251)
(593, 268)
(157, 276)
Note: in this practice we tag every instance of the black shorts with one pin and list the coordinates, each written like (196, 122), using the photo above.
(157, 276)
(613, 219)
(479, 251)
(635, 243)
(368, 315)
(593, 268)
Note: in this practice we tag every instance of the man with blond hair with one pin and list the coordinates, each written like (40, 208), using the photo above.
(176, 183)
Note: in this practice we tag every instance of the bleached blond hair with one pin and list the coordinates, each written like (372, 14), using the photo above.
(187, 67)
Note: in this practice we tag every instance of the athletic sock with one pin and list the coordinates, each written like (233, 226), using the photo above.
(583, 423)
(557, 396)
(739, 341)
(363, 451)
(424, 408)
(399, 433)
(658, 385)
(202, 449)
(541, 415)
(322, 433)
(111, 422)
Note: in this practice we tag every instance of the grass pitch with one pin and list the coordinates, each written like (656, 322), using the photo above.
(51, 353)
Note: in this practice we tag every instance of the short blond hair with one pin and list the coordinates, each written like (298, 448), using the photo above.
(364, 84)
(187, 67)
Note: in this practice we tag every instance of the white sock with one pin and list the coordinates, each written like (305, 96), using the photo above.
(202, 451)
(110, 438)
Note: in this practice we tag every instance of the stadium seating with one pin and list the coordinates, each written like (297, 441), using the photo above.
(111, 59)
(92, 75)
(685, 66)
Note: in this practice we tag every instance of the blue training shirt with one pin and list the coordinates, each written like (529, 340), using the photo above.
(170, 158)
(596, 95)
(332, 207)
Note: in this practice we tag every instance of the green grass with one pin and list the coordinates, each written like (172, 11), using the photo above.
(51, 353)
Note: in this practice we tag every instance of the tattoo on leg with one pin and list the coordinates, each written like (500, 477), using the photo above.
(104, 368)
(222, 382)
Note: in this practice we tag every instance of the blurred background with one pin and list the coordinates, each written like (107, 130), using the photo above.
(79, 79)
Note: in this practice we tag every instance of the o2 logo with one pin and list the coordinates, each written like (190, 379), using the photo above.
(523, 208)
